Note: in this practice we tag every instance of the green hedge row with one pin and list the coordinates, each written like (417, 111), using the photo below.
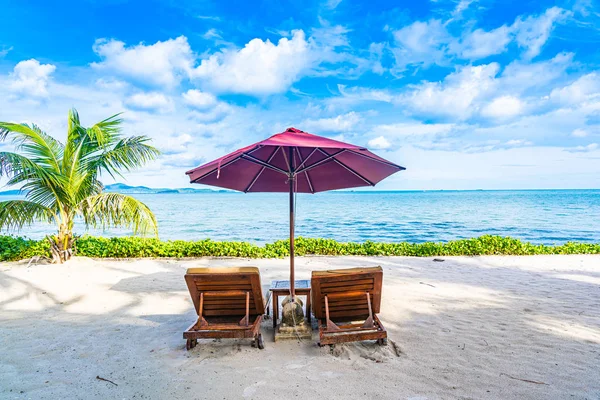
(16, 248)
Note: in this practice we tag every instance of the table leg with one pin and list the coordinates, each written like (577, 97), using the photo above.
(308, 307)
(275, 309)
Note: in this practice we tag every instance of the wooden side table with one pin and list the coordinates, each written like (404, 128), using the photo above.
(282, 288)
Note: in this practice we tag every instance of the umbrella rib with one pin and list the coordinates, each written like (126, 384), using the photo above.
(312, 190)
(379, 161)
(223, 166)
(287, 163)
(326, 159)
(351, 170)
(261, 170)
(306, 159)
(255, 160)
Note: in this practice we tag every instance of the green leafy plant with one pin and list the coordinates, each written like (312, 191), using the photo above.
(61, 181)
(16, 248)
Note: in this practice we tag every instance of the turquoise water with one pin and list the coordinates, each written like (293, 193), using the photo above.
(539, 216)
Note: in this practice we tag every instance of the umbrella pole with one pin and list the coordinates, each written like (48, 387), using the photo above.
(292, 282)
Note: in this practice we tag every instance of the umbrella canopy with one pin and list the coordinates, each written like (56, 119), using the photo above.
(317, 163)
(296, 162)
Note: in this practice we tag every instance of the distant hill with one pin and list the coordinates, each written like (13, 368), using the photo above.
(126, 189)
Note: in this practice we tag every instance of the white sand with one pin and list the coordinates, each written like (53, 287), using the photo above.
(483, 321)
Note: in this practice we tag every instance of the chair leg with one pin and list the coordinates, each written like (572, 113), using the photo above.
(191, 343)
(275, 309)
(259, 342)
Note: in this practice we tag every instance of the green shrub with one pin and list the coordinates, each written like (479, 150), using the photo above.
(16, 248)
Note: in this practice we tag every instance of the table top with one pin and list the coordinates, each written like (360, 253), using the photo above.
(285, 285)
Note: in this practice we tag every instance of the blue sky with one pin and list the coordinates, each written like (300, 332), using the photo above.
(466, 94)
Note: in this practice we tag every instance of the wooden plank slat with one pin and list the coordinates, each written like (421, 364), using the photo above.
(348, 288)
(222, 288)
(347, 296)
(350, 307)
(227, 302)
(347, 282)
(349, 313)
(225, 293)
(216, 313)
(225, 307)
(225, 282)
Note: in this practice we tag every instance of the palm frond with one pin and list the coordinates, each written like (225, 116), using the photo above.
(129, 153)
(12, 164)
(84, 185)
(37, 144)
(16, 214)
(41, 184)
(118, 210)
(106, 131)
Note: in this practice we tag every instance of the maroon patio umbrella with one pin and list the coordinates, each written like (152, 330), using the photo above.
(296, 162)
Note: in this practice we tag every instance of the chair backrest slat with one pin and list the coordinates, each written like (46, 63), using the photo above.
(346, 290)
(228, 281)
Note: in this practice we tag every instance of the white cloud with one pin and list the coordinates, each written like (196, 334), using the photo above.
(533, 32)
(359, 94)
(160, 64)
(503, 107)
(199, 100)
(212, 34)
(518, 143)
(421, 43)
(375, 55)
(580, 133)
(480, 44)
(206, 107)
(341, 123)
(209, 17)
(177, 143)
(211, 114)
(260, 68)
(520, 75)
(30, 78)
(4, 51)
(583, 149)
(455, 97)
(152, 101)
(461, 7)
(413, 128)
(379, 143)
(583, 89)
(332, 4)
(524, 167)
(111, 84)
(584, 7)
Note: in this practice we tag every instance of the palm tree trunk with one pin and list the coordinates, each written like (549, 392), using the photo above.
(61, 245)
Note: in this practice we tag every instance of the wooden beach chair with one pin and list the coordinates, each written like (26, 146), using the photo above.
(346, 303)
(229, 304)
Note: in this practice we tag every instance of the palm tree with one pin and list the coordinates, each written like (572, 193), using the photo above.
(61, 181)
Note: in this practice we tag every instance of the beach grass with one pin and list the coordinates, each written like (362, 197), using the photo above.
(17, 248)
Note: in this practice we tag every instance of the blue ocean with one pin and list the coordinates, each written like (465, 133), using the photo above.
(538, 216)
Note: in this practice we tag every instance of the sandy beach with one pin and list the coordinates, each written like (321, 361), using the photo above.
(465, 328)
